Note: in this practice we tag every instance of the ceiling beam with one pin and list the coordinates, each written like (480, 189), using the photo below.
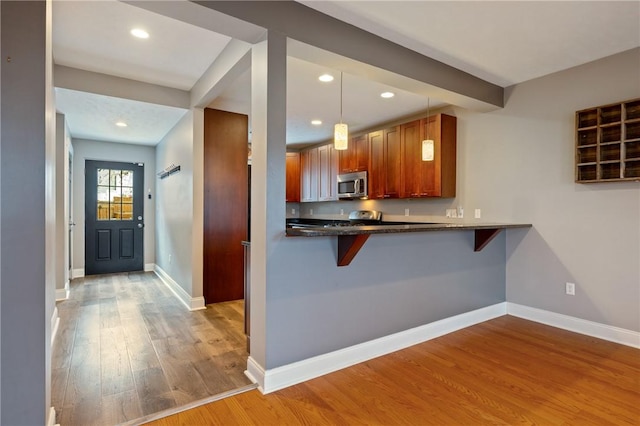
(234, 60)
(118, 87)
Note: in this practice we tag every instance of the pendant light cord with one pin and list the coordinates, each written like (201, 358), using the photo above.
(427, 119)
(340, 97)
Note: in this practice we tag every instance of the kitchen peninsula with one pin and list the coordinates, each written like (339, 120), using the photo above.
(352, 238)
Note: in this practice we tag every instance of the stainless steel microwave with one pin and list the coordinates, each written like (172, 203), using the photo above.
(352, 185)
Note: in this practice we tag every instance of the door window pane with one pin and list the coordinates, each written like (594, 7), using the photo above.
(127, 178)
(103, 177)
(115, 178)
(115, 194)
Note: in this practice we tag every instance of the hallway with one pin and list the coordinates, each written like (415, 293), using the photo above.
(127, 348)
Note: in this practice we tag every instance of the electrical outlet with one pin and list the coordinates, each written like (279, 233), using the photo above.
(460, 212)
(477, 214)
(310, 212)
(341, 212)
(570, 289)
(406, 212)
(293, 211)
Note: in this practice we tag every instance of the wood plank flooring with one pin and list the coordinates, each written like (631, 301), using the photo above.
(126, 348)
(505, 371)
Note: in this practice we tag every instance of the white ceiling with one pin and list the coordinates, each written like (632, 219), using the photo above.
(92, 116)
(94, 36)
(502, 42)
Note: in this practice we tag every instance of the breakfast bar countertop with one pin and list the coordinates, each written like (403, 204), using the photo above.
(321, 231)
(352, 238)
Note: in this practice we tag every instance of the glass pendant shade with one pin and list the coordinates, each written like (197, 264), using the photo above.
(427, 144)
(340, 130)
(427, 150)
(340, 136)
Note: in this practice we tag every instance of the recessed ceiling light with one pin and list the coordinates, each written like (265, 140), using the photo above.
(326, 78)
(387, 95)
(316, 122)
(121, 124)
(137, 32)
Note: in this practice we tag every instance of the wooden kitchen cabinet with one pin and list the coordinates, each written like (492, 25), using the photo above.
(608, 143)
(309, 174)
(385, 163)
(293, 177)
(436, 178)
(319, 174)
(327, 173)
(356, 157)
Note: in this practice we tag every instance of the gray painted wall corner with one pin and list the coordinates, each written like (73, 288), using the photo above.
(174, 204)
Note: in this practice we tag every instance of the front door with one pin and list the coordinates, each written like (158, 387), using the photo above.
(114, 227)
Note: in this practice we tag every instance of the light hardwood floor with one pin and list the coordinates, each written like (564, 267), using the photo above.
(505, 371)
(127, 348)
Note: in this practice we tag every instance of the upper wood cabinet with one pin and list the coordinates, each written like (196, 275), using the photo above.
(309, 170)
(393, 159)
(356, 157)
(385, 163)
(319, 174)
(293, 177)
(608, 143)
(328, 173)
(436, 178)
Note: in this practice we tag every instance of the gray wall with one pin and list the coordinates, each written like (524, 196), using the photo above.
(588, 234)
(396, 282)
(94, 150)
(174, 205)
(27, 213)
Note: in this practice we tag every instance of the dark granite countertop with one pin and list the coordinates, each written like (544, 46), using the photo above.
(394, 228)
(352, 238)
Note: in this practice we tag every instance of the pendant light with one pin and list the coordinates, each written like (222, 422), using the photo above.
(427, 144)
(341, 130)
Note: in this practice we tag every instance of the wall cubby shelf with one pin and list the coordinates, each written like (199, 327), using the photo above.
(608, 143)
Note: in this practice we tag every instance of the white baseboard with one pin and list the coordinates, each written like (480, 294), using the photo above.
(192, 303)
(62, 293)
(255, 373)
(149, 267)
(51, 417)
(577, 325)
(298, 372)
(55, 323)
